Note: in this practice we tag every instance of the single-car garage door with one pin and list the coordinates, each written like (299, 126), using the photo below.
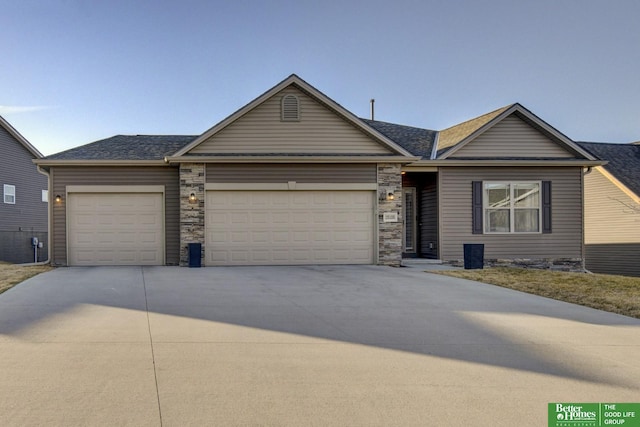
(289, 227)
(115, 229)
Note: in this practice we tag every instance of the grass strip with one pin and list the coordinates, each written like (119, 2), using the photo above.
(616, 294)
(12, 274)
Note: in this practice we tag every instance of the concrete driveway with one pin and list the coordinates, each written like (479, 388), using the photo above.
(335, 345)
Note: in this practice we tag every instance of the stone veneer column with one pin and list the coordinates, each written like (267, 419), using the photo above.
(192, 180)
(389, 233)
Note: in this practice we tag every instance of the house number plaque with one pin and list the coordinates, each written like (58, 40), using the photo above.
(390, 217)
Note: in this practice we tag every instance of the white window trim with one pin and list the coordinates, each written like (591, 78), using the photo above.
(512, 208)
(9, 190)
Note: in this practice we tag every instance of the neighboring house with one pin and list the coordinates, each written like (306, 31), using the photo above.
(612, 210)
(294, 178)
(23, 207)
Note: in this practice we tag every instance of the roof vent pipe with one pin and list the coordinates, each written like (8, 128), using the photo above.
(373, 101)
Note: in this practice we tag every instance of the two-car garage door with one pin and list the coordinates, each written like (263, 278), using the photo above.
(289, 227)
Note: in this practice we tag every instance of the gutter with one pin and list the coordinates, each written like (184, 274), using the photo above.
(506, 163)
(291, 159)
(49, 162)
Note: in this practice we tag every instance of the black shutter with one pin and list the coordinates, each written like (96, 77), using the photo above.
(476, 200)
(546, 206)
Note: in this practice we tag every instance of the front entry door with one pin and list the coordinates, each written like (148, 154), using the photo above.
(410, 220)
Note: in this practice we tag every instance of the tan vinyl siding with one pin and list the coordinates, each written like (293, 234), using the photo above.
(612, 227)
(319, 131)
(303, 173)
(167, 176)
(512, 137)
(611, 216)
(565, 241)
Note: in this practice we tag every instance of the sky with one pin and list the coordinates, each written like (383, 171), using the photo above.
(77, 71)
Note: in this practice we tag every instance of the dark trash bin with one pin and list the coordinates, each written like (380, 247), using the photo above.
(473, 256)
(195, 253)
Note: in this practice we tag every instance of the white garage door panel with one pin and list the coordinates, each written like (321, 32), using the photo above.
(115, 229)
(289, 227)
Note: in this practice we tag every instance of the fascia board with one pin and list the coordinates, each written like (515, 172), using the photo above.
(507, 163)
(13, 132)
(626, 190)
(291, 159)
(419, 168)
(48, 162)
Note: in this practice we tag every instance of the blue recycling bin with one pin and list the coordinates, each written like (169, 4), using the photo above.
(473, 256)
(195, 255)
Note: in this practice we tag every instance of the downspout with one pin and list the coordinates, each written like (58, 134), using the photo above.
(49, 228)
(434, 154)
(584, 249)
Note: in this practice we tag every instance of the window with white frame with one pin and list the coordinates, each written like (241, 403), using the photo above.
(9, 193)
(512, 207)
(45, 196)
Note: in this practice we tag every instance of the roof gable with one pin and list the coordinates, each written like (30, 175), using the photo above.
(21, 139)
(515, 138)
(456, 135)
(324, 128)
(511, 132)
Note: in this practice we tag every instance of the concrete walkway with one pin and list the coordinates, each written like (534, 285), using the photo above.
(336, 345)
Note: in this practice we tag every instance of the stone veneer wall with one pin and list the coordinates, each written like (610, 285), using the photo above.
(192, 179)
(389, 233)
(556, 264)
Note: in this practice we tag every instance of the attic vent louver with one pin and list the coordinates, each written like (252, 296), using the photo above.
(290, 108)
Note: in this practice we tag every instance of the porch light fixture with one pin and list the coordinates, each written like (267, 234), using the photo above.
(192, 198)
(387, 193)
(58, 198)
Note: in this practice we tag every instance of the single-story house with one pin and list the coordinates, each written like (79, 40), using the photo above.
(24, 203)
(612, 210)
(294, 178)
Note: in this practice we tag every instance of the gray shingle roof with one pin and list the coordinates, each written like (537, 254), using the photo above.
(417, 141)
(624, 161)
(127, 147)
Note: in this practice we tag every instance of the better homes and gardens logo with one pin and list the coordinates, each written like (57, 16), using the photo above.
(594, 414)
(576, 414)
